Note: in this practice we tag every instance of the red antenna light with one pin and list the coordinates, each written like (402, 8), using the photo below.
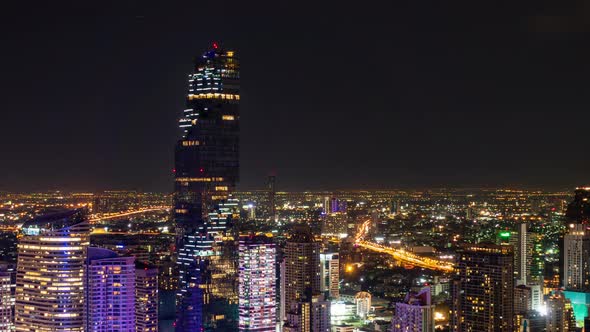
(215, 46)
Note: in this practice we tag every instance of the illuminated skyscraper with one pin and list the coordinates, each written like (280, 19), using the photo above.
(306, 308)
(6, 299)
(483, 290)
(576, 258)
(257, 284)
(50, 294)
(146, 298)
(206, 172)
(110, 292)
(330, 275)
(302, 267)
(207, 155)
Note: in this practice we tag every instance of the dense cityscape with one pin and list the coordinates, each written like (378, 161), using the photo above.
(208, 257)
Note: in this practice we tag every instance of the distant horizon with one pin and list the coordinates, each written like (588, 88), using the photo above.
(262, 189)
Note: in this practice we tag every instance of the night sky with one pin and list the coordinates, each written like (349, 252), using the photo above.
(371, 94)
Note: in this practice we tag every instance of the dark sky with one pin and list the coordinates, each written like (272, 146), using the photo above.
(371, 94)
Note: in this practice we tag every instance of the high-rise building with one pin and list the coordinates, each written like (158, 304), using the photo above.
(560, 315)
(309, 316)
(576, 258)
(50, 294)
(146, 298)
(302, 266)
(206, 173)
(330, 275)
(320, 314)
(6, 298)
(305, 308)
(523, 254)
(415, 314)
(257, 284)
(523, 299)
(110, 290)
(282, 292)
(298, 317)
(483, 290)
(207, 155)
(528, 256)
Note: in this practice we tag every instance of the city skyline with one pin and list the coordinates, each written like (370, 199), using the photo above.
(461, 95)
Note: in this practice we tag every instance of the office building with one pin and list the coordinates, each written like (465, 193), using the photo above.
(576, 258)
(146, 298)
(330, 275)
(206, 172)
(305, 308)
(50, 292)
(302, 266)
(415, 314)
(110, 291)
(482, 293)
(560, 315)
(6, 298)
(257, 284)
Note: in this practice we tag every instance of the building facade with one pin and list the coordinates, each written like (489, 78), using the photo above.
(560, 315)
(206, 172)
(50, 281)
(330, 275)
(576, 258)
(483, 289)
(146, 298)
(6, 298)
(110, 292)
(257, 284)
(415, 314)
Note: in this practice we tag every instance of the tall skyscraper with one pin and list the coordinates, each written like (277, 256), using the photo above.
(302, 266)
(206, 172)
(523, 254)
(415, 314)
(110, 292)
(5, 298)
(528, 256)
(50, 294)
(330, 275)
(207, 154)
(146, 298)
(257, 284)
(302, 301)
(576, 258)
(483, 290)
